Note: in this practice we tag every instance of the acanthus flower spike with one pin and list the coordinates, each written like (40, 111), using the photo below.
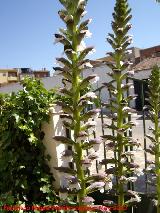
(63, 193)
(67, 155)
(120, 41)
(86, 163)
(88, 200)
(74, 183)
(76, 98)
(95, 143)
(96, 185)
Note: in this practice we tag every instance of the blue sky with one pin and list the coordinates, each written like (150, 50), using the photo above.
(27, 29)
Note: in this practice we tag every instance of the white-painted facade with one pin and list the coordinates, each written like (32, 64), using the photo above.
(49, 83)
(53, 148)
(100, 70)
(143, 74)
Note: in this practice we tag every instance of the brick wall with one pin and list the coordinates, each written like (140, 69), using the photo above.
(150, 52)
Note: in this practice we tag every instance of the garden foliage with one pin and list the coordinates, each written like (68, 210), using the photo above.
(24, 173)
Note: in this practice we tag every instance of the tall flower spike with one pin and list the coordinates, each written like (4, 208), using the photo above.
(119, 105)
(154, 111)
(76, 95)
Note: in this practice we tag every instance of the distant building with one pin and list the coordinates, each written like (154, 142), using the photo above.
(14, 75)
(49, 83)
(150, 52)
(134, 55)
(41, 73)
(22, 72)
(8, 76)
(101, 68)
(143, 61)
(149, 58)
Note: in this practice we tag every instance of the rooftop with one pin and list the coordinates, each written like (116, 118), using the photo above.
(147, 64)
(40, 71)
(101, 61)
(8, 70)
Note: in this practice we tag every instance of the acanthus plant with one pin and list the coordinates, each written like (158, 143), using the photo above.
(123, 166)
(154, 148)
(76, 97)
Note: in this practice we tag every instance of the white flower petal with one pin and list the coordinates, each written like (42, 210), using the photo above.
(88, 34)
(89, 65)
(102, 190)
(131, 72)
(92, 52)
(132, 179)
(67, 158)
(89, 95)
(94, 80)
(96, 147)
(81, 2)
(138, 171)
(84, 13)
(128, 51)
(121, 63)
(81, 47)
(59, 63)
(68, 17)
(57, 40)
(108, 186)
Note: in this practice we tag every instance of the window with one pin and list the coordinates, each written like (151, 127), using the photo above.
(12, 74)
(3, 74)
(158, 54)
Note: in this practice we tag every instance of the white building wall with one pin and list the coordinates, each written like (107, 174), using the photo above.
(49, 83)
(54, 149)
(101, 71)
(143, 74)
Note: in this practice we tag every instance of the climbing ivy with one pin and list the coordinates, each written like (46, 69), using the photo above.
(24, 172)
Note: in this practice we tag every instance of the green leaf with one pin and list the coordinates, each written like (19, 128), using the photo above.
(63, 140)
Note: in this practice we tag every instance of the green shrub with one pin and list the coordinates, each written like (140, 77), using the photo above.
(24, 172)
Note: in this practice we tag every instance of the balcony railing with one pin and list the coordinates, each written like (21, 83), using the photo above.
(12, 78)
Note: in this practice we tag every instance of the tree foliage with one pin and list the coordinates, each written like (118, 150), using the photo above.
(24, 172)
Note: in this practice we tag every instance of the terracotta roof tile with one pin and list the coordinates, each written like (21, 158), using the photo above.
(147, 64)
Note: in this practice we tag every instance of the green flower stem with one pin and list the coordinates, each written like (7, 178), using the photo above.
(157, 158)
(78, 148)
(120, 142)
(113, 133)
(76, 118)
(144, 132)
(80, 174)
(119, 136)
